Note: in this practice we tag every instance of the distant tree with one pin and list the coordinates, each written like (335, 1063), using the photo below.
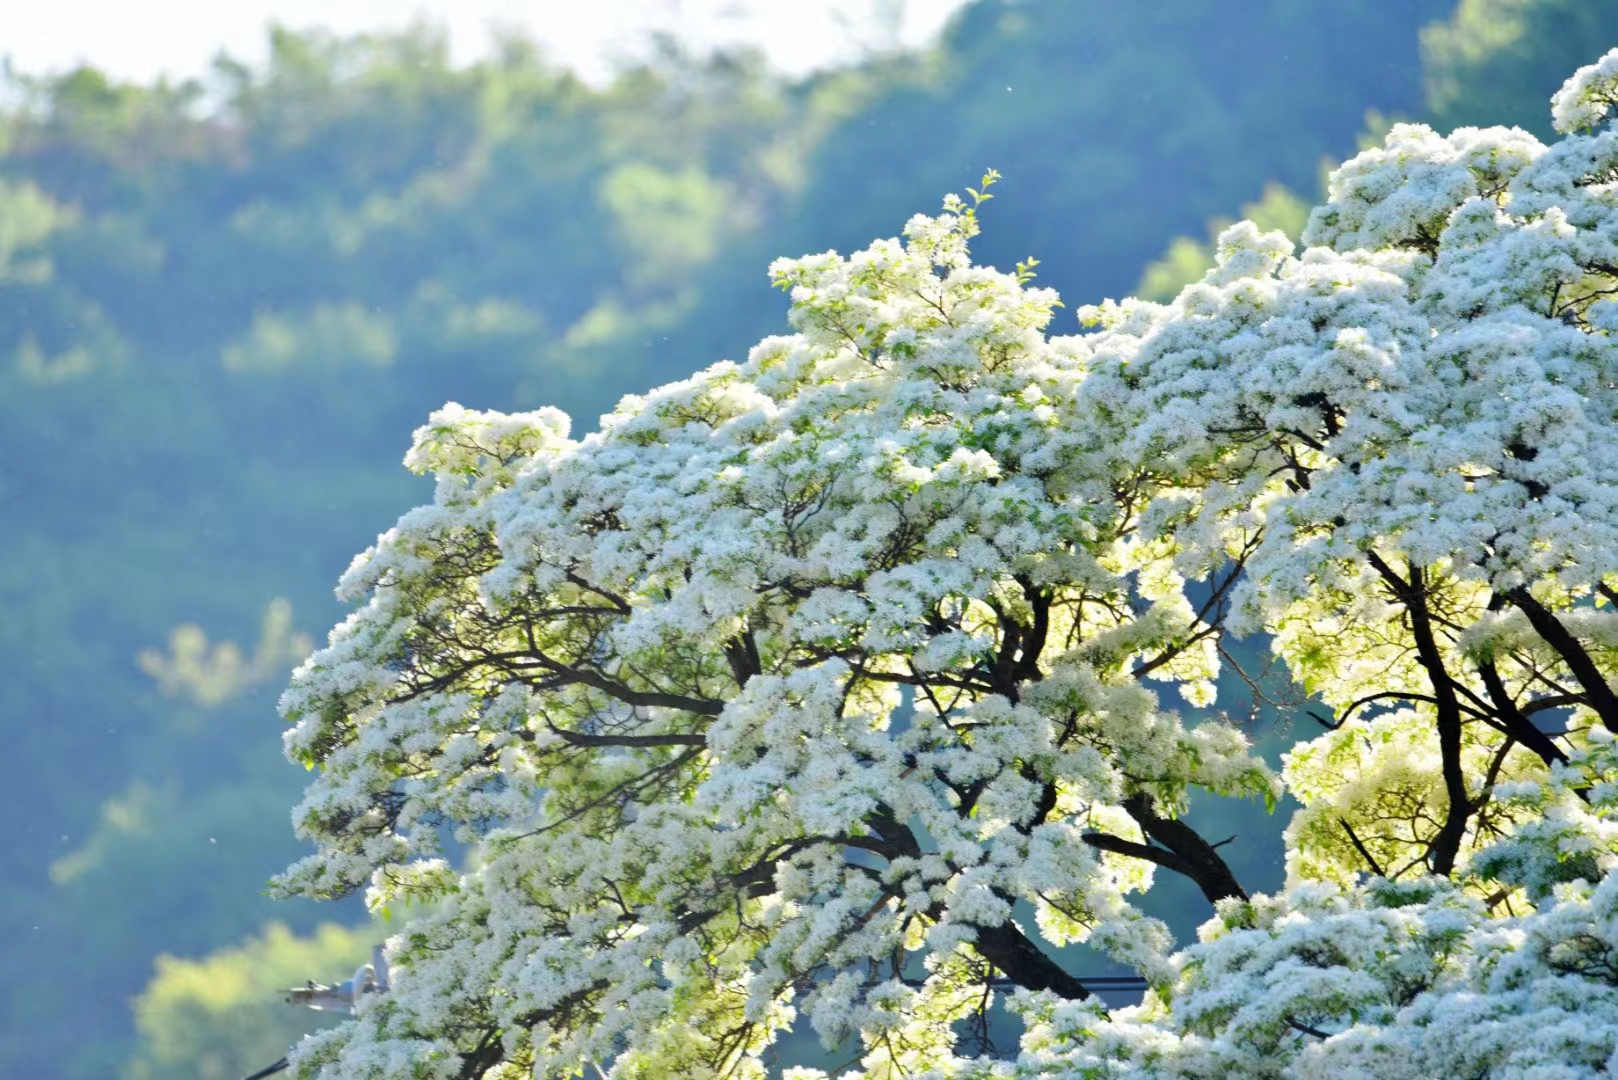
(225, 1015)
(244, 291)
(820, 685)
(1498, 61)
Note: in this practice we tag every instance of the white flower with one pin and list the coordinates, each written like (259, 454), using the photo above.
(796, 684)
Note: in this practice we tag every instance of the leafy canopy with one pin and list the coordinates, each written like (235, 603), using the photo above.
(793, 689)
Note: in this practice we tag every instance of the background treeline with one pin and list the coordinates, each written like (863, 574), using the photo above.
(224, 306)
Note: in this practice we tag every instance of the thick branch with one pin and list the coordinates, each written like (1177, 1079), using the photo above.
(1521, 728)
(1163, 857)
(1004, 946)
(519, 663)
(1446, 846)
(1194, 856)
(701, 706)
(1597, 693)
(1003, 673)
(742, 654)
(489, 1052)
(565, 1006)
(1183, 850)
(1027, 669)
(1024, 963)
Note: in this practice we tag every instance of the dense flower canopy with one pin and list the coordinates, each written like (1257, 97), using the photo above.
(842, 683)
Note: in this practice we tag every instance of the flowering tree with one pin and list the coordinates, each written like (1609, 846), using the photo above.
(839, 683)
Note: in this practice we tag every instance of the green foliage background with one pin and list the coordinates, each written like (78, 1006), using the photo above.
(224, 306)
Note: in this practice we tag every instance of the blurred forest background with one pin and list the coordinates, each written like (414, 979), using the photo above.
(225, 305)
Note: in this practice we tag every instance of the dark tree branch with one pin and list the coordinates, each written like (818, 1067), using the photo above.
(1446, 845)
(1306, 1029)
(1206, 867)
(700, 706)
(1395, 695)
(1168, 860)
(1597, 693)
(1518, 725)
(1183, 850)
(742, 654)
(1027, 669)
(1024, 963)
(488, 1053)
(1359, 847)
(269, 1070)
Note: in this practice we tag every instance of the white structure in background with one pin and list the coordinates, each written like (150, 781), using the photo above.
(345, 996)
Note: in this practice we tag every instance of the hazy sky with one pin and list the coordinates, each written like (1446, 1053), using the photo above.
(140, 39)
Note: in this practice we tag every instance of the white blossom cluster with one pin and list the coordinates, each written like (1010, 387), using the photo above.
(1385, 979)
(797, 687)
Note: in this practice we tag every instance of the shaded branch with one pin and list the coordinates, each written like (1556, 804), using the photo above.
(1446, 845)
(1597, 693)
(1517, 724)
(1354, 839)
(1182, 850)
(1024, 963)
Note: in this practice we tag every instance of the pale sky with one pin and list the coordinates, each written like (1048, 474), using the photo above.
(140, 39)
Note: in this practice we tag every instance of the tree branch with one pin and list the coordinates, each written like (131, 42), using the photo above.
(1446, 845)
(1168, 860)
(1597, 693)
(1183, 850)
(1520, 727)
(1024, 963)
(1359, 847)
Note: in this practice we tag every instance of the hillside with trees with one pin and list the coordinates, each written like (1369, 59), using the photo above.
(224, 306)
